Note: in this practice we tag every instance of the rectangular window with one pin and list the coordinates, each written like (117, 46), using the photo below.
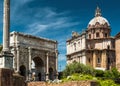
(105, 34)
(89, 36)
(98, 62)
(97, 35)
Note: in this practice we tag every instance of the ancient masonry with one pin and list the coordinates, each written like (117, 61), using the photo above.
(95, 46)
(34, 57)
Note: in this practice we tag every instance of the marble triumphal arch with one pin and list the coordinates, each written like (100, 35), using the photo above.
(34, 57)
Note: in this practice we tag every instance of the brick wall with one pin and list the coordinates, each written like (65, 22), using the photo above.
(73, 83)
(6, 77)
(117, 48)
(18, 80)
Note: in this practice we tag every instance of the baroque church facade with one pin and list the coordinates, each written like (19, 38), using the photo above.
(95, 46)
(34, 57)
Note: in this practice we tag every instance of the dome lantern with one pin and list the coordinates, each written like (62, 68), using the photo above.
(98, 20)
(98, 12)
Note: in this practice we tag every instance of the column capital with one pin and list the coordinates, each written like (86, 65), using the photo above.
(29, 48)
(18, 48)
(47, 53)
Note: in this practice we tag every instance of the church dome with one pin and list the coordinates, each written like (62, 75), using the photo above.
(98, 20)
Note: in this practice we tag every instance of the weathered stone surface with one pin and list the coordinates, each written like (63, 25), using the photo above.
(6, 78)
(30, 56)
(18, 80)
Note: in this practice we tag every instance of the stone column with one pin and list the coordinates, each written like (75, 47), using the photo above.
(56, 53)
(47, 66)
(30, 61)
(18, 60)
(6, 56)
(6, 25)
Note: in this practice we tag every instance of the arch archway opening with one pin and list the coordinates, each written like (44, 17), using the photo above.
(51, 74)
(22, 70)
(38, 68)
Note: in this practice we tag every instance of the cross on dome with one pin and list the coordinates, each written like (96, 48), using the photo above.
(98, 12)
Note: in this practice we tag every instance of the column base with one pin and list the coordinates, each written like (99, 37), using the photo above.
(47, 76)
(6, 60)
(57, 75)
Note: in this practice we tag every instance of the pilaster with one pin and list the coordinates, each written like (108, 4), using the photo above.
(104, 59)
(94, 59)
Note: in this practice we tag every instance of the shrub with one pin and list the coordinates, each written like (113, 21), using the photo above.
(78, 77)
(113, 73)
(77, 68)
(107, 83)
(99, 73)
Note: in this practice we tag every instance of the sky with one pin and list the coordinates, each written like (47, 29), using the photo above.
(56, 19)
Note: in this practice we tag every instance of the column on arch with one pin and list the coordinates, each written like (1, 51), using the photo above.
(47, 66)
(18, 58)
(56, 53)
(30, 62)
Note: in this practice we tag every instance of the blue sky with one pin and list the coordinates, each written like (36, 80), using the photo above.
(56, 19)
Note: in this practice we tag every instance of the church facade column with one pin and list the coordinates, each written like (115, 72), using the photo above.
(47, 66)
(94, 59)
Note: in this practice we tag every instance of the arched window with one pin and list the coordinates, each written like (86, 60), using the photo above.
(108, 47)
(89, 60)
(98, 60)
(75, 46)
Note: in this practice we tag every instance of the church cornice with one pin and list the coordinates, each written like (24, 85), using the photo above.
(100, 50)
(79, 36)
(80, 51)
(106, 38)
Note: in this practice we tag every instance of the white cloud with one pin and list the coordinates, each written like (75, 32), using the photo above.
(62, 57)
(49, 20)
(36, 28)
